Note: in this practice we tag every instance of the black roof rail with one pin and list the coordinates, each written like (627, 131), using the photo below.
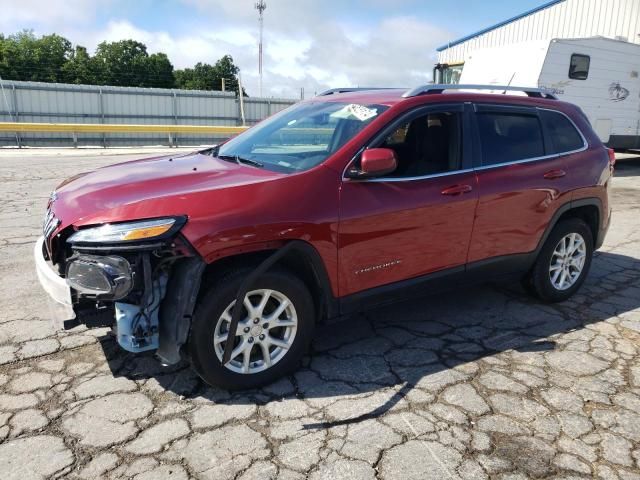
(439, 88)
(333, 91)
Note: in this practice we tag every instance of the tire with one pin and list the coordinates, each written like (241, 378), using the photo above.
(208, 325)
(540, 281)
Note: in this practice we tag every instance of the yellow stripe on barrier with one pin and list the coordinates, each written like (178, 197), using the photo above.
(121, 128)
(116, 128)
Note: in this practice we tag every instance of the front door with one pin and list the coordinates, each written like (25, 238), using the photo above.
(418, 219)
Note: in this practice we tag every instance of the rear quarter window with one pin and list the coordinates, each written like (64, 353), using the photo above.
(563, 134)
(509, 137)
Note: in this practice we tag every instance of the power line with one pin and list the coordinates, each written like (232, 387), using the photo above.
(44, 75)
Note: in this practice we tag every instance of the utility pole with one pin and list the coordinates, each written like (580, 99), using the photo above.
(241, 98)
(261, 6)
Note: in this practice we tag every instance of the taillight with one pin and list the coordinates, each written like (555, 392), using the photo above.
(612, 157)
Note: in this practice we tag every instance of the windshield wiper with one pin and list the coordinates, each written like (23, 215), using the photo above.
(239, 160)
(248, 161)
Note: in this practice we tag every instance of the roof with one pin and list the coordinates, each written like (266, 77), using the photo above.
(391, 97)
(498, 25)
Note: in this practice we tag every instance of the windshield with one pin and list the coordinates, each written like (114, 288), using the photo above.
(301, 136)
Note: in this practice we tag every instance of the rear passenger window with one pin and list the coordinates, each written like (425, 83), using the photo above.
(564, 136)
(508, 137)
(579, 66)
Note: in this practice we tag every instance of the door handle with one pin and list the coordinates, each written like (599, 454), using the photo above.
(553, 174)
(457, 190)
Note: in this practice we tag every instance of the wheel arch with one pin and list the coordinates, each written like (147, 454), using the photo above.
(298, 256)
(587, 209)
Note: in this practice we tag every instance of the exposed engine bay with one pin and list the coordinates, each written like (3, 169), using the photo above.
(126, 287)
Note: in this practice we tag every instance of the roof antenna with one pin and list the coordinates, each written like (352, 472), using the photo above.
(509, 84)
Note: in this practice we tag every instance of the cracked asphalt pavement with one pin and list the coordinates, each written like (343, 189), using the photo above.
(474, 384)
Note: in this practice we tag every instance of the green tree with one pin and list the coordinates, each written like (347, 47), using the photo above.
(121, 63)
(201, 77)
(4, 57)
(127, 63)
(204, 76)
(80, 68)
(25, 57)
(228, 70)
(51, 58)
(159, 71)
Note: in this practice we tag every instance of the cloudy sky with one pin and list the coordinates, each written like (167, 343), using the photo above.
(308, 44)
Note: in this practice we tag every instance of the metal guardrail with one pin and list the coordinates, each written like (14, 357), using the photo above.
(56, 103)
(116, 128)
(75, 128)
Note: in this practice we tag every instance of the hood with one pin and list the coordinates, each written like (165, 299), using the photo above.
(153, 187)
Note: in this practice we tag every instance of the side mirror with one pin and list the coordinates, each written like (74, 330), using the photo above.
(375, 162)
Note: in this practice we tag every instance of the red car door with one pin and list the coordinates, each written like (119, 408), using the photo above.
(418, 219)
(521, 183)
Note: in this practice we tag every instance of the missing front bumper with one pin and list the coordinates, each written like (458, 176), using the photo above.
(59, 293)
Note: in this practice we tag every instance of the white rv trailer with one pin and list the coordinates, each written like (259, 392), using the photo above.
(598, 74)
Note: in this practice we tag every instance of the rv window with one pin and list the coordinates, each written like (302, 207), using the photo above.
(564, 136)
(579, 67)
(509, 137)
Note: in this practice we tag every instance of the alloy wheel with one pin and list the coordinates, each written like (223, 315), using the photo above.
(266, 331)
(567, 261)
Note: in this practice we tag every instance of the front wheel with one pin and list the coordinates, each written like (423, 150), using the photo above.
(273, 333)
(563, 262)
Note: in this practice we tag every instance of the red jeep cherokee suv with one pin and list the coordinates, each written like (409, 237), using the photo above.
(231, 255)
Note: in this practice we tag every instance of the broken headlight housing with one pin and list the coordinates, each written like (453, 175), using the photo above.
(104, 277)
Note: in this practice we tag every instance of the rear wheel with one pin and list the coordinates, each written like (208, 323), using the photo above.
(273, 333)
(563, 263)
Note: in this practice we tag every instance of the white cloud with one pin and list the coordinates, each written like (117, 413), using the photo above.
(308, 44)
(47, 16)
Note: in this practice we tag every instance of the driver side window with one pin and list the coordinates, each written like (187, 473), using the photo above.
(427, 145)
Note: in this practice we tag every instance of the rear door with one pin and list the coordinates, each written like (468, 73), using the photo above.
(521, 181)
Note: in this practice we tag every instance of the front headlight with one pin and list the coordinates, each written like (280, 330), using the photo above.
(129, 231)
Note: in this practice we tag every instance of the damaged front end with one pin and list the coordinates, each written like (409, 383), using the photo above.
(140, 278)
